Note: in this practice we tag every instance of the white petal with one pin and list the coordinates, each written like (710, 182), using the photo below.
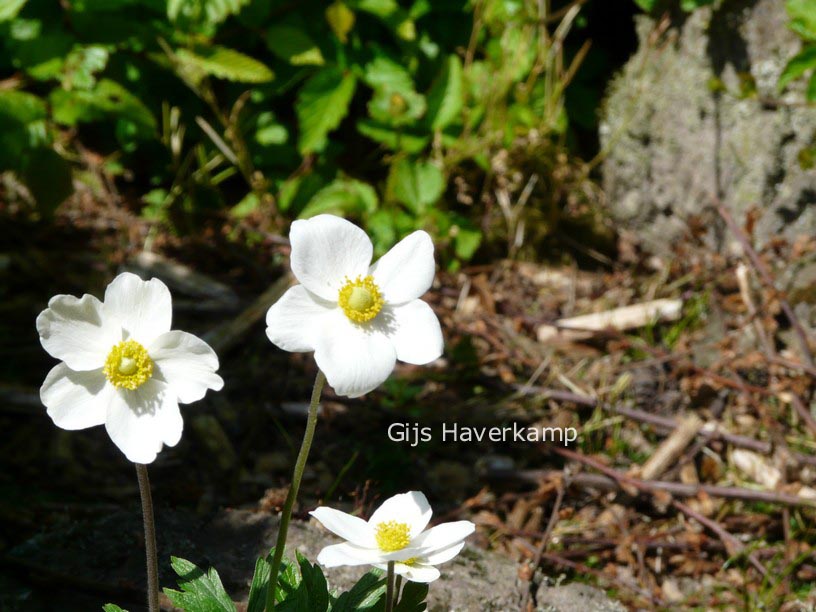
(77, 331)
(442, 556)
(414, 330)
(347, 554)
(327, 249)
(412, 508)
(442, 536)
(140, 421)
(416, 572)
(144, 308)
(355, 358)
(187, 364)
(348, 527)
(406, 271)
(293, 320)
(75, 400)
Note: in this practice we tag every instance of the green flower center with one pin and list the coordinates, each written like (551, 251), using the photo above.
(128, 365)
(391, 536)
(360, 299)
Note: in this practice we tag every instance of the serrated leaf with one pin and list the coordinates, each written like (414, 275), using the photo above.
(397, 139)
(107, 99)
(445, 98)
(413, 597)
(341, 20)
(322, 103)
(342, 197)
(288, 581)
(292, 44)
(200, 592)
(798, 65)
(364, 595)
(259, 586)
(225, 63)
(9, 9)
(417, 184)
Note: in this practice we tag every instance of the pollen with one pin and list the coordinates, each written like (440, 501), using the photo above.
(391, 536)
(360, 299)
(128, 365)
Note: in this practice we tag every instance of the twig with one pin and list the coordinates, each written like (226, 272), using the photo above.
(671, 448)
(802, 411)
(767, 279)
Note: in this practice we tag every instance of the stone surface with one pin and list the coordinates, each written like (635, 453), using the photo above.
(696, 113)
(105, 555)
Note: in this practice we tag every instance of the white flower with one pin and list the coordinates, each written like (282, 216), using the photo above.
(358, 318)
(395, 532)
(122, 366)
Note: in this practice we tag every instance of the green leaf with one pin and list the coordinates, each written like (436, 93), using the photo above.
(341, 20)
(466, 241)
(260, 585)
(413, 597)
(342, 197)
(397, 139)
(811, 88)
(203, 11)
(48, 178)
(417, 184)
(798, 65)
(646, 5)
(381, 8)
(288, 581)
(200, 592)
(292, 44)
(108, 99)
(225, 63)
(803, 18)
(21, 106)
(9, 9)
(112, 608)
(312, 593)
(364, 595)
(383, 72)
(394, 107)
(321, 105)
(445, 97)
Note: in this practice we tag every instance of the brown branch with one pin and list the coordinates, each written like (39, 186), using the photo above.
(767, 279)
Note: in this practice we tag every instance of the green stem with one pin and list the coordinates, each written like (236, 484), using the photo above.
(150, 539)
(286, 514)
(389, 588)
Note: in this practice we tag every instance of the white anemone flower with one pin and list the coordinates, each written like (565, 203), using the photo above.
(358, 318)
(122, 366)
(395, 532)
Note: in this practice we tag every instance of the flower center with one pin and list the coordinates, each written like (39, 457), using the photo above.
(392, 536)
(360, 299)
(128, 365)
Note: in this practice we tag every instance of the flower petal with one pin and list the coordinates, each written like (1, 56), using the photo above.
(75, 400)
(412, 508)
(355, 358)
(187, 364)
(406, 271)
(327, 249)
(416, 572)
(414, 330)
(347, 554)
(144, 308)
(293, 319)
(442, 556)
(348, 527)
(140, 421)
(442, 536)
(76, 331)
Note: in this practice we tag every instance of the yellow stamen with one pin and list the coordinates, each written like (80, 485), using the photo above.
(391, 536)
(360, 299)
(410, 561)
(128, 365)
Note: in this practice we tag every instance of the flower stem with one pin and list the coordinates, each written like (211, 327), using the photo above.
(150, 539)
(389, 588)
(286, 514)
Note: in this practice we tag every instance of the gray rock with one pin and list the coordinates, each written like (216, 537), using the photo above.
(697, 113)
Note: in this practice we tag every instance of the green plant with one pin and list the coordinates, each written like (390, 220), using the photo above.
(802, 21)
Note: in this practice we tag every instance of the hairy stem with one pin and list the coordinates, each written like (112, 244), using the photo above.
(389, 588)
(300, 465)
(150, 539)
